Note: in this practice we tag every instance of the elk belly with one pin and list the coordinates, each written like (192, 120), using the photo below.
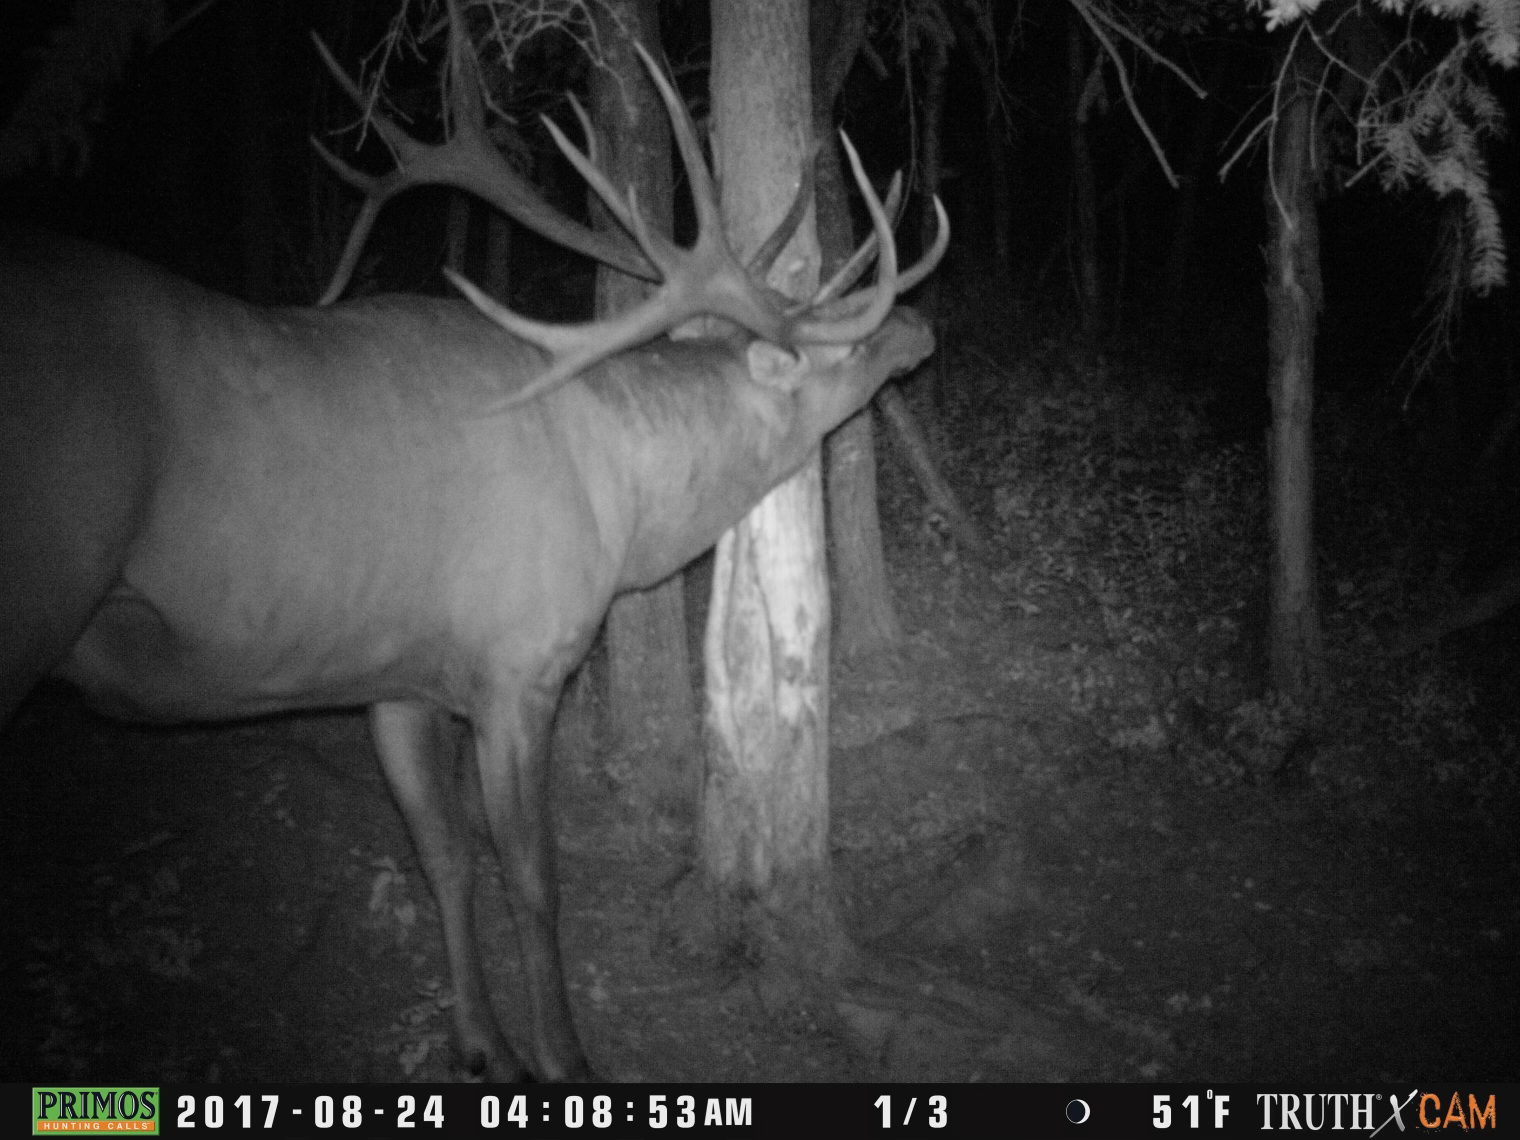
(131, 664)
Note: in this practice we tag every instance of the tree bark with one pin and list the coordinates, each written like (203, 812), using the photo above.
(650, 703)
(1294, 299)
(763, 835)
(867, 623)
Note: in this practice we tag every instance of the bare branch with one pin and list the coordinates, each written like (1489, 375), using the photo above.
(1085, 10)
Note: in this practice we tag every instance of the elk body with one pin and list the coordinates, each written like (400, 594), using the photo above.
(210, 510)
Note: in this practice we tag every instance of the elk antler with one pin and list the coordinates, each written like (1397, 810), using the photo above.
(466, 159)
(707, 278)
(851, 271)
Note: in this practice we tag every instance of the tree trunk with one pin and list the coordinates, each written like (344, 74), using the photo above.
(498, 255)
(930, 165)
(1294, 299)
(973, 35)
(456, 232)
(1084, 183)
(868, 624)
(1000, 174)
(764, 832)
(1000, 171)
(649, 697)
(867, 620)
(915, 449)
(258, 221)
(1179, 252)
(329, 201)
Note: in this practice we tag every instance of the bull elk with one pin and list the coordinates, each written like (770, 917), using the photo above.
(210, 510)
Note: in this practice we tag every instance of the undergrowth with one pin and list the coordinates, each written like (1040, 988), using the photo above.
(1115, 505)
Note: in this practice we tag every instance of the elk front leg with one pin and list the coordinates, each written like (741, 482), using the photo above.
(512, 751)
(415, 748)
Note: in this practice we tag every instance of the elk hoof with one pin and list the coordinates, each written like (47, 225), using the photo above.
(498, 1066)
(584, 1074)
(575, 1071)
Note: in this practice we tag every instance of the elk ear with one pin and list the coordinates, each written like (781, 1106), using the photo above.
(774, 367)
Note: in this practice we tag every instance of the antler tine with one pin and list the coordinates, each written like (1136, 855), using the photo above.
(726, 289)
(704, 195)
(376, 191)
(906, 279)
(857, 326)
(857, 263)
(594, 177)
(699, 280)
(925, 264)
(469, 161)
(358, 234)
(572, 347)
(705, 279)
(586, 129)
(770, 249)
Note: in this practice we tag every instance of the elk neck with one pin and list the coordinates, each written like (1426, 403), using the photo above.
(688, 440)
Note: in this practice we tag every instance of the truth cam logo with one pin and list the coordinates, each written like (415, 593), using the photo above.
(1372, 1113)
(95, 1111)
(1476, 1116)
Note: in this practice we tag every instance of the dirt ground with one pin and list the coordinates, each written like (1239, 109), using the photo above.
(1069, 836)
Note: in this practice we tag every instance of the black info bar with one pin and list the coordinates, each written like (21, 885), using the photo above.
(1395, 1109)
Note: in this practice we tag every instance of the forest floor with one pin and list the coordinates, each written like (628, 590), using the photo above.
(1072, 838)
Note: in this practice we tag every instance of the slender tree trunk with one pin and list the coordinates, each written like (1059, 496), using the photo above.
(931, 161)
(456, 232)
(867, 622)
(911, 438)
(764, 830)
(915, 449)
(974, 37)
(498, 255)
(934, 55)
(1080, 86)
(328, 201)
(1000, 174)
(257, 217)
(1179, 251)
(649, 696)
(1000, 171)
(1294, 298)
(1121, 266)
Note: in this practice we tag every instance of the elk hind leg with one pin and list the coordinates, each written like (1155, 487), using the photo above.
(512, 751)
(416, 751)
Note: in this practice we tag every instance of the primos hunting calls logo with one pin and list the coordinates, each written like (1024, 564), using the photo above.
(95, 1111)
